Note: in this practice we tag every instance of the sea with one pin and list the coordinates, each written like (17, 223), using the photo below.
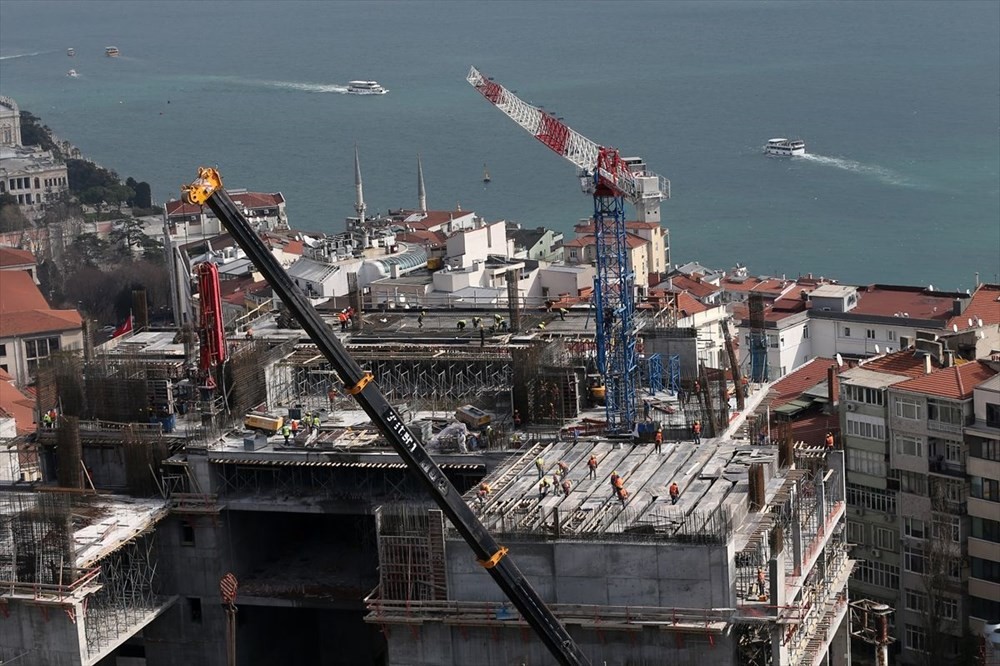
(898, 102)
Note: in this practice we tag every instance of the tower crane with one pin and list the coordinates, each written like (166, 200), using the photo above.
(611, 179)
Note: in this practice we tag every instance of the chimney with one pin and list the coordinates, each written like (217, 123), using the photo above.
(928, 366)
(949, 358)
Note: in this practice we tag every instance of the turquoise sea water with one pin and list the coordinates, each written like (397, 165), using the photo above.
(899, 104)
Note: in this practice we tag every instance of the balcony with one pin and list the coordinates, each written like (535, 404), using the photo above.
(939, 465)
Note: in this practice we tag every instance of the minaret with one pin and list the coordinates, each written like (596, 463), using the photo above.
(421, 192)
(359, 195)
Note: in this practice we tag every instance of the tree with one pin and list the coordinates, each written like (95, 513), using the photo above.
(143, 195)
(86, 250)
(126, 235)
(11, 217)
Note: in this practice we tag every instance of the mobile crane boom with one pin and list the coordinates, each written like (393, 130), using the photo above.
(208, 190)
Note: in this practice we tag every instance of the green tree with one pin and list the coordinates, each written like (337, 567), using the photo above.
(11, 217)
(87, 250)
(127, 235)
(143, 195)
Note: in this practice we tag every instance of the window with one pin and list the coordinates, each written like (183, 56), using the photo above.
(916, 639)
(914, 528)
(868, 396)
(942, 413)
(984, 608)
(947, 608)
(772, 341)
(866, 427)
(985, 448)
(992, 415)
(985, 489)
(913, 483)
(885, 539)
(847, 331)
(914, 559)
(984, 528)
(890, 335)
(3, 350)
(805, 331)
(187, 533)
(36, 350)
(877, 573)
(194, 609)
(947, 527)
(871, 498)
(572, 254)
(916, 601)
(866, 462)
(908, 408)
(870, 333)
(985, 569)
(907, 445)
(855, 532)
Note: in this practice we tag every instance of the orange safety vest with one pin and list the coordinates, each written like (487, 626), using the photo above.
(674, 490)
(697, 428)
(829, 441)
(592, 463)
(659, 436)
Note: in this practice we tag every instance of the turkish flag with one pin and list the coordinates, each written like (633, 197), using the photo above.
(126, 327)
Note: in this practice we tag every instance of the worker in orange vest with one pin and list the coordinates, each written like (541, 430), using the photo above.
(675, 492)
(566, 485)
(622, 495)
(829, 441)
(563, 468)
(295, 427)
(615, 479)
(760, 581)
(697, 432)
(659, 440)
(592, 465)
(342, 318)
(483, 493)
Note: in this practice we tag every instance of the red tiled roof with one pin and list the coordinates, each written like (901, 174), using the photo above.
(251, 200)
(792, 385)
(10, 257)
(5, 376)
(293, 247)
(429, 220)
(955, 382)
(423, 237)
(688, 305)
(985, 305)
(754, 284)
(697, 288)
(18, 405)
(905, 362)
(587, 240)
(23, 309)
(915, 302)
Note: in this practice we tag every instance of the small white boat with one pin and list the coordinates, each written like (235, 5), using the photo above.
(71, 52)
(785, 147)
(486, 175)
(112, 51)
(72, 74)
(365, 88)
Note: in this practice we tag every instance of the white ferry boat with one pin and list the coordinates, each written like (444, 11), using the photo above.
(365, 88)
(112, 51)
(71, 52)
(785, 147)
(72, 74)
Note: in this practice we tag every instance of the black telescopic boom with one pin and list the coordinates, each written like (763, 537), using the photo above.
(208, 190)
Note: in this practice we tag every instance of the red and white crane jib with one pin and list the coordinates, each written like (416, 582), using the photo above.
(641, 187)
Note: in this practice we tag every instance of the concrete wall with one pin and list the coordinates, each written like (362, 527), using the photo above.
(45, 636)
(604, 573)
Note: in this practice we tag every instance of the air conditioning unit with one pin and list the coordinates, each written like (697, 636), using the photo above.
(889, 517)
(851, 407)
(877, 554)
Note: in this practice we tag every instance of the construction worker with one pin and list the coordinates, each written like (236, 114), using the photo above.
(47, 420)
(286, 432)
(497, 318)
(315, 421)
(829, 441)
(675, 492)
(543, 488)
(576, 435)
(517, 419)
(622, 495)
(681, 396)
(461, 324)
(592, 466)
(563, 468)
(420, 318)
(659, 440)
(562, 313)
(342, 318)
(566, 485)
(615, 479)
(760, 581)
(476, 321)
(540, 466)
(249, 333)
(483, 493)
(541, 326)
(696, 429)
(502, 324)
(295, 427)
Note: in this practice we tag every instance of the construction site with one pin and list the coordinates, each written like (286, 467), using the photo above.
(355, 485)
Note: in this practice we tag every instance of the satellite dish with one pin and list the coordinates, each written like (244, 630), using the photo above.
(930, 287)
(954, 327)
(876, 349)
(970, 322)
(840, 361)
(888, 350)
(979, 323)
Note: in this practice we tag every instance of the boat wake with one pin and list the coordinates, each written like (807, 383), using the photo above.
(887, 176)
(22, 55)
(284, 85)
